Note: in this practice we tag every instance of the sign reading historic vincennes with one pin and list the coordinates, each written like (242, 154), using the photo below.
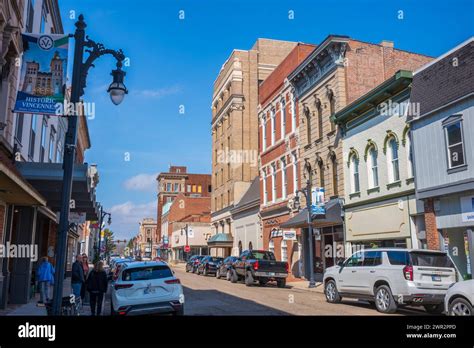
(43, 73)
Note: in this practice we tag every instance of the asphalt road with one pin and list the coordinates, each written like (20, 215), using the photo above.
(212, 296)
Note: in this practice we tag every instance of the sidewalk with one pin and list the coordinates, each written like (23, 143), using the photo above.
(303, 285)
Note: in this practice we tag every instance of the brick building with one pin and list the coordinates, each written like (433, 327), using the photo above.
(336, 73)
(235, 127)
(170, 184)
(279, 157)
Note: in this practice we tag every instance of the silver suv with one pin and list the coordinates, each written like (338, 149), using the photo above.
(392, 277)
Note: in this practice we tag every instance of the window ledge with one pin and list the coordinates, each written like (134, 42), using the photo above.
(457, 169)
(354, 195)
(394, 184)
(331, 133)
(410, 180)
(317, 141)
(373, 190)
(308, 146)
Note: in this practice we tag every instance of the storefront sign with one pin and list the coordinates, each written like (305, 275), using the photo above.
(467, 208)
(77, 218)
(276, 233)
(190, 232)
(43, 74)
(317, 201)
(289, 235)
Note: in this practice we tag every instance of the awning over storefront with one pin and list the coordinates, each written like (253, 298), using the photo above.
(220, 240)
(332, 217)
(47, 179)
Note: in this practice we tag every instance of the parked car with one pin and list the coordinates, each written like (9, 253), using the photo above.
(225, 267)
(193, 263)
(113, 271)
(459, 299)
(261, 266)
(147, 288)
(389, 277)
(208, 265)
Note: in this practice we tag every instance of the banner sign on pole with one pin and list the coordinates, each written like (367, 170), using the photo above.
(43, 74)
(317, 201)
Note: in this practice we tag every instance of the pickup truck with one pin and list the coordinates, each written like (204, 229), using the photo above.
(261, 266)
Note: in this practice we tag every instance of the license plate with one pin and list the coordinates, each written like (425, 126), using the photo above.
(271, 273)
(436, 278)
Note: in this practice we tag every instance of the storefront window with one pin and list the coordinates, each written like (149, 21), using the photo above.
(284, 251)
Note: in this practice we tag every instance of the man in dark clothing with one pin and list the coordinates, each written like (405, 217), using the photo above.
(97, 287)
(77, 277)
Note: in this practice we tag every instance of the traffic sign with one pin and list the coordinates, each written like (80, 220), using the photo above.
(187, 249)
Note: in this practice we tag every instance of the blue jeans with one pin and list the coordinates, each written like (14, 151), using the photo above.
(76, 290)
(44, 291)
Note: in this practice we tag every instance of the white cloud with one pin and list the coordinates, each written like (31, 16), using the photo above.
(126, 216)
(159, 93)
(141, 182)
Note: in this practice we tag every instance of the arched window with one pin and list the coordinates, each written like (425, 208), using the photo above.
(295, 171)
(372, 168)
(293, 114)
(392, 159)
(335, 178)
(264, 134)
(284, 183)
(332, 107)
(273, 125)
(319, 110)
(271, 246)
(321, 173)
(354, 170)
(274, 190)
(409, 155)
(283, 117)
(307, 114)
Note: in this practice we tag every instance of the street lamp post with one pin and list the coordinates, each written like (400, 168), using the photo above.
(117, 92)
(310, 240)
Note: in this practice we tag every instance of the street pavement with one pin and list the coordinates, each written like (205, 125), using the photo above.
(212, 296)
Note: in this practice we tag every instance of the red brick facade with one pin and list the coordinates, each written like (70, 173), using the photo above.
(432, 235)
(186, 208)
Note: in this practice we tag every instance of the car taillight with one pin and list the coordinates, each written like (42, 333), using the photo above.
(255, 265)
(287, 267)
(122, 286)
(173, 281)
(196, 262)
(408, 272)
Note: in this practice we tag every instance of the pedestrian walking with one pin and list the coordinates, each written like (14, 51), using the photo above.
(45, 276)
(77, 277)
(97, 287)
(85, 267)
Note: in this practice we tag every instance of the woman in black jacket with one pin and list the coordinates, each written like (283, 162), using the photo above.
(97, 287)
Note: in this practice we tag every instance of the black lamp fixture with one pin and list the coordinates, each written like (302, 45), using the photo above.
(117, 89)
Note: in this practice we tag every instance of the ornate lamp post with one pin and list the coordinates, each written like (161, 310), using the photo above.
(103, 214)
(117, 92)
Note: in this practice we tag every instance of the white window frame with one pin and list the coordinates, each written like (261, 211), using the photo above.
(273, 125)
(264, 134)
(391, 162)
(450, 166)
(293, 114)
(284, 183)
(274, 182)
(265, 191)
(271, 245)
(354, 172)
(410, 170)
(283, 117)
(372, 168)
(295, 172)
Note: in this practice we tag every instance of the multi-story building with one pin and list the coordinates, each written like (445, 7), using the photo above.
(177, 180)
(145, 237)
(279, 157)
(188, 223)
(235, 127)
(380, 205)
(442, 132)
(336, 73)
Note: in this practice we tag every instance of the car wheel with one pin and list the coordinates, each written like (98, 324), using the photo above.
(187, 269)
(434, 309)
(262, 282)
(179, 312)
(248, 278)
(331, 292)
(218, 274)
(384, 301)
(460, 306)
(281, 283)
(234, 277)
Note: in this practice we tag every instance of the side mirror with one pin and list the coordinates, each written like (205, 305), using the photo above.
(340, 263)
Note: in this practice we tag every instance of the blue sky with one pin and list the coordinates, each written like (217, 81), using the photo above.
(174, 62)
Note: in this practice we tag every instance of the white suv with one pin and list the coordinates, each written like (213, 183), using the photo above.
(148, 287)
(391, 277)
